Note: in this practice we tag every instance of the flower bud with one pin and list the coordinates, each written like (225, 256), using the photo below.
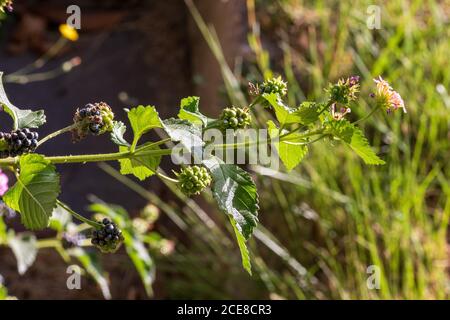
(344, 90)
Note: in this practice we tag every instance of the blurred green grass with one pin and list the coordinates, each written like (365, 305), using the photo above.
(323, 225)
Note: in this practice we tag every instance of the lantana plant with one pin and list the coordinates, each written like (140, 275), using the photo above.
(292, 131)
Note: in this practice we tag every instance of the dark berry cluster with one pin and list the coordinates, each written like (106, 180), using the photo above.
(192, 180)
(235, 118)
(108, 238)
(93, 118)
(18, 142)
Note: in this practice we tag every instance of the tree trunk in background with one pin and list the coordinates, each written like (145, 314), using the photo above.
(228, 19)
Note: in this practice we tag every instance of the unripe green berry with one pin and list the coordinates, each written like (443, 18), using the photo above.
(192, 180)
(235, 118)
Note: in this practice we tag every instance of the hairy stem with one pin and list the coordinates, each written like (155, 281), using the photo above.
(48, 243)
(83, 158)
(56, 133)
(163, 176)
(78, 216)
(368, 115)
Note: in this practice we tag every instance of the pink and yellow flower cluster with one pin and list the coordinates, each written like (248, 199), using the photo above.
(388, 97)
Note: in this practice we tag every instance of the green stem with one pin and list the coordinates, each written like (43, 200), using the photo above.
(163, 176)
(153, 144)
(368, 115)
(83, 158)
(79, 217)
(56, 133)
(133, 144)
(255, 101)
(48, 243)
(312, 133)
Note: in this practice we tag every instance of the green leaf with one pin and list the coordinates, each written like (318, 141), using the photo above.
(22, 118)
(35, 192)
(308, 112)
(141, 166)
(354, 137)
(142, 120)
(284, 114)
(189, 110)
(3, 230)
(93, 268)
(23, 245)
(3, 291)
(245, 255)
(189, 135)
(117, 133)
(235, 193)
(141, 259)
(291, 152)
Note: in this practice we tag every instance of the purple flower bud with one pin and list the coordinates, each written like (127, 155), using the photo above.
(353, 81)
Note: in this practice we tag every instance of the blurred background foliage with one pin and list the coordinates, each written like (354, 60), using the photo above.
(324, 224)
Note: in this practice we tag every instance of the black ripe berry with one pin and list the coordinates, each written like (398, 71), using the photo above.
(18, 142)
(94, 128)
(108, 238)
(93, 118)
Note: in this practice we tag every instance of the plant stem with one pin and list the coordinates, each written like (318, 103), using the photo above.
(56, 133)
(153, 144)
(48, 243)
(163, 176)
(83, 158)
(78, 216)
(368, 115)
(312, 133)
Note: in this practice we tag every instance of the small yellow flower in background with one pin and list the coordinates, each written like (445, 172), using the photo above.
(68, 32)
(388, 97)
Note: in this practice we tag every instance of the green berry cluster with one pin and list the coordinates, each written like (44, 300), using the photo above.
(93, 119)
(274, 85)
(108, 238)
(344, 90)
(6, 4)
(192, 180)
(235, 118)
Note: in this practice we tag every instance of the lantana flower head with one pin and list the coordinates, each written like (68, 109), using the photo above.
(388, 97)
